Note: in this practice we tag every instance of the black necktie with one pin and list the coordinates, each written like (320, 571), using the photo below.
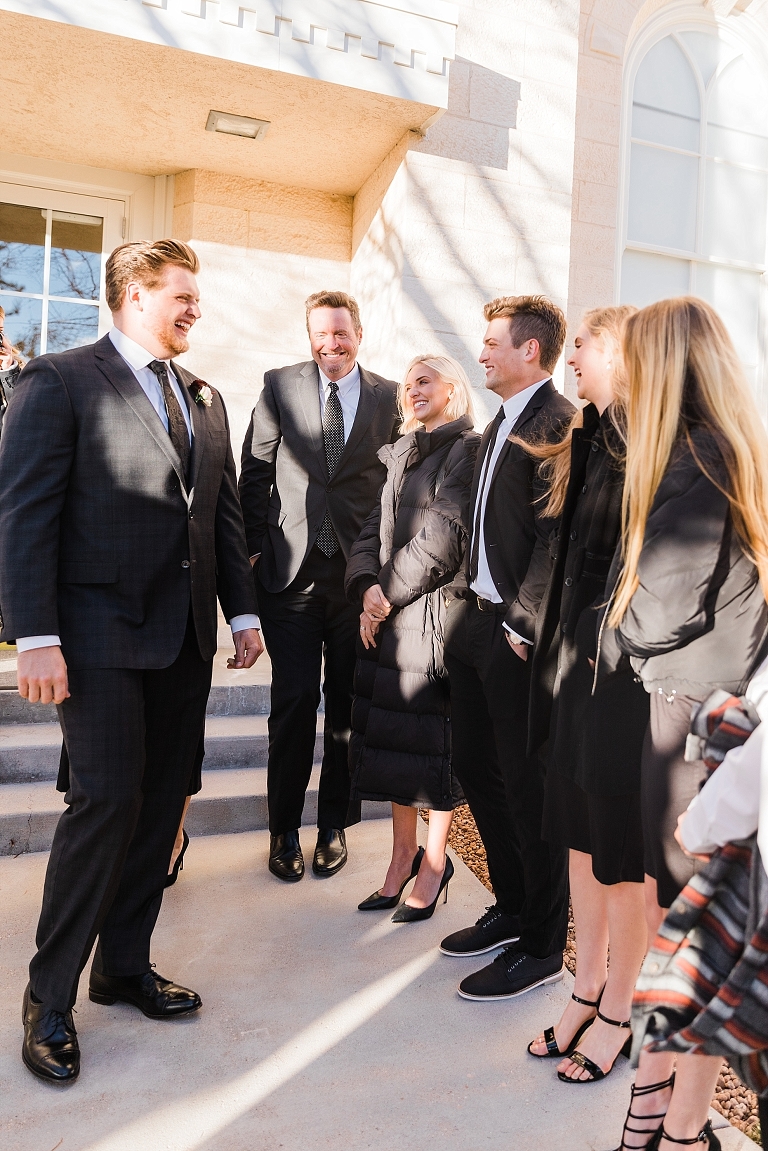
(177, 425)
(333, 435)
(485, 479)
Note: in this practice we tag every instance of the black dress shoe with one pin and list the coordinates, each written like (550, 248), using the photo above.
(330, 852)
(158, 998)
(285, 858)
(493, 929)
(50, 1048)
(512, 973)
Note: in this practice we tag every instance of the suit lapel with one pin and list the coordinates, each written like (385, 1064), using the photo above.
(123, 381)
(366, 409)
(536, 402)
(307, 386)
(197, 417)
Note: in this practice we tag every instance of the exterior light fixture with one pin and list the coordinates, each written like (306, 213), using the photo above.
(236, 125)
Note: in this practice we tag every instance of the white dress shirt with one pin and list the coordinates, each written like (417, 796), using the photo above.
(137, 359)
(349, 396)
(483, 586)
(733, 803)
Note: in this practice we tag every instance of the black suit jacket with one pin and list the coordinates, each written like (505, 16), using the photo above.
(100, 540)
(517, 535)
(284, 485)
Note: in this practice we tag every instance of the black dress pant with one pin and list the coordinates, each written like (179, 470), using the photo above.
(308, 623)
(504, 787)
(131, 738)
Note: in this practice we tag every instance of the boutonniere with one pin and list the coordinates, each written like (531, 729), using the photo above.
(203, 394)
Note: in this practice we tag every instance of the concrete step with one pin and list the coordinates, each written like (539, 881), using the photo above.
(239, 699)
(232, 800)
(29, 752)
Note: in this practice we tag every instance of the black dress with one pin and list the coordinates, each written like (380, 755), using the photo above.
(592, 797)
(411, 544)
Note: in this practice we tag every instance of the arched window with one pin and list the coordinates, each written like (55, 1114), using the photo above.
(697, 204)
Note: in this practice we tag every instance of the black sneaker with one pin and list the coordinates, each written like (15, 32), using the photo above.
(493, 929)
(512, 973)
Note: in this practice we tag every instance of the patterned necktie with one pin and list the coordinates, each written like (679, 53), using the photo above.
(333, 435)
(177, 425)
(485, 479)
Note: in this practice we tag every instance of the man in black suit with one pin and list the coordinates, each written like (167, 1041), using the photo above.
(488, 633)
(310, 476)
(119, 525)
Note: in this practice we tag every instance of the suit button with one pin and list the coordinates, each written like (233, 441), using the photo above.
(191, 515)
(583, 489)
(329, 488)
(595, 448)
(573, 535)
(185, 563)
(569, 582)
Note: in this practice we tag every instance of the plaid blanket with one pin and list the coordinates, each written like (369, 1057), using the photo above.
(703, 987)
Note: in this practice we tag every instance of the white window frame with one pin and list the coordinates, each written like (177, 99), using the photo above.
(748, 39)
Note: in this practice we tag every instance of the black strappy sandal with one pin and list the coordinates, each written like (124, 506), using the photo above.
(553, 1051)
(705, 1133)
(654, 1132)
(584, 1061)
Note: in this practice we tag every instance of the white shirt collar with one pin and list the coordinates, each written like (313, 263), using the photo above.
(515, 405)
(352, 379)
(134, 355)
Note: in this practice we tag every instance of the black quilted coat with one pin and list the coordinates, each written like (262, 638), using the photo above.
(412, 544)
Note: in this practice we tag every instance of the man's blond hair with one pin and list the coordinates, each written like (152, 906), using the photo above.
(144, 262)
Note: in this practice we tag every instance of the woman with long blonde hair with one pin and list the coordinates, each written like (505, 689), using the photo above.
(592, 796)
(409, 547)
(688, 607)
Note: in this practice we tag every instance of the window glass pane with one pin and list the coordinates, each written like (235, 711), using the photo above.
(646, 278)
(735, 207)
(70, 325)
(662, 198)
(23, 319)
(739, 100)
(736, 296)
(666, 98)
(22, 248)
(708, 51)
(76, 255)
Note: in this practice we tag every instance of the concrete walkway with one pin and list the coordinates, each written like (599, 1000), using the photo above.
(321, 1027)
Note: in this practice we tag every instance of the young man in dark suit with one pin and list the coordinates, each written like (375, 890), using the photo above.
(488, 636)
(119, 526)
(310, 476)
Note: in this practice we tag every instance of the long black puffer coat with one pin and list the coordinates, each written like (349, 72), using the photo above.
(412, 544)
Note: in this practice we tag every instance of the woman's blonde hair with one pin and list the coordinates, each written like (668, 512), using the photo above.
(450, 372)
(605, 325)
(682, 369)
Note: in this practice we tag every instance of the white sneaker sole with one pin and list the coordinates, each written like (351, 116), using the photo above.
(482, 951)
(515, 994)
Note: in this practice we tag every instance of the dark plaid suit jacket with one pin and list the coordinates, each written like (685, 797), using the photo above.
(102, 540)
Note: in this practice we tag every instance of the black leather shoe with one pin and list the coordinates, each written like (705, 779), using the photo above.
(50, 1049)
(158, 998)
(512, 973)
(330, 852)
(493, 929)
(285, 858)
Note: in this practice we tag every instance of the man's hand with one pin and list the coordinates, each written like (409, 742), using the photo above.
(520, 649)
(376, 604)
(248, 648)
(42, 675)
(368, 629)
(683, 848)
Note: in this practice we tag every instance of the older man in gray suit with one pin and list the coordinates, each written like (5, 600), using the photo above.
(310, 476)
(119, 525)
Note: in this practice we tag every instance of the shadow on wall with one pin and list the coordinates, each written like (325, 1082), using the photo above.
(482, 107)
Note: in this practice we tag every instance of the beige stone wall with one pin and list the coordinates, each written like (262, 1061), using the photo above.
(482, 206)
(263, 249)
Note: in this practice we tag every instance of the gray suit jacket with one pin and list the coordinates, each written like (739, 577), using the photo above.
(285, 489)
(100, 541)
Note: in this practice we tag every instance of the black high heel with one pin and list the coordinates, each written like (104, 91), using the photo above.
(379, 902)
(705, 1133)
(406, 914)
(179, 864)
(596, 1072)
(553, 1051)
(654, 1132)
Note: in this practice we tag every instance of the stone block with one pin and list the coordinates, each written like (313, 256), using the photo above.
(495, 37)
(598, 240)
(496, 208)
(470, 141)
(220, 225)
(600, 77)
(547, 109)
(597, 204)
(458, 88)
(544, 164)
(434, 197)
(551, 55)
(598, 163)
(598, 120)
(493, 97)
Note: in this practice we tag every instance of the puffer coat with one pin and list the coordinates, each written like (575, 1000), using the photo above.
(412, 544)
